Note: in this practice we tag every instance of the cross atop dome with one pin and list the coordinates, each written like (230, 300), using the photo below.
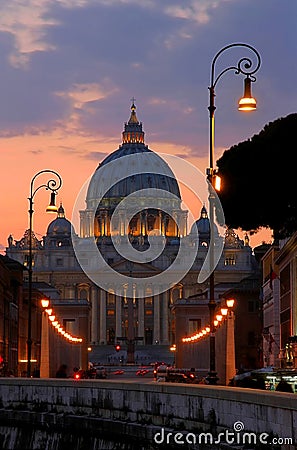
(133, 117)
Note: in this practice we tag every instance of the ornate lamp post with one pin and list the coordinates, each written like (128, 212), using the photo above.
(247, 67)
(52, 185)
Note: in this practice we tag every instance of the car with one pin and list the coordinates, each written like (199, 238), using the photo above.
(142, 372)
(118, 372)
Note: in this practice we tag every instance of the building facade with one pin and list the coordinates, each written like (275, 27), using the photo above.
(132, 312)
(280, 304)
(11, 323)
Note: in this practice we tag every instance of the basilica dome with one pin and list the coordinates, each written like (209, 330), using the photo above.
(145, 169)
(202, 226)
(60, 226)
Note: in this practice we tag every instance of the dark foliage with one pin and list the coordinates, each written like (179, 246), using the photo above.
(259, 180)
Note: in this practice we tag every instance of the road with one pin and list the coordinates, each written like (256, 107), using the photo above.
(129, 374)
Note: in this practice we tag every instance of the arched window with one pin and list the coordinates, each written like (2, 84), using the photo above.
(83, 292)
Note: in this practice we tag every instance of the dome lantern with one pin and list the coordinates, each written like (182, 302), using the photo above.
(133, 133)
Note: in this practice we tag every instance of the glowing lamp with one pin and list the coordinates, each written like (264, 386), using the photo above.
(224, 311)
(217, 183)
(247, 102)
(230, 302)
(44, 303)
(52, 318)
(52, 206)
(219, 317)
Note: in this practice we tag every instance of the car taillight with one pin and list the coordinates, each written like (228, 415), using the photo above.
(77, 376)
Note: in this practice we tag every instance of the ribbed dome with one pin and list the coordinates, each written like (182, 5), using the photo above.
(202, 225)
(146, 169)
(60, 226)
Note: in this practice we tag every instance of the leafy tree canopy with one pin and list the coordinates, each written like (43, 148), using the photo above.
(259, 179)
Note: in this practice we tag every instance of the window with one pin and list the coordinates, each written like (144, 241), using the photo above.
(110, 336)
(59, 262)
(194, 326)
(230, 260)
(110, 299)
(83, 294)
(26, 261)
(148, 301)
(69, 326)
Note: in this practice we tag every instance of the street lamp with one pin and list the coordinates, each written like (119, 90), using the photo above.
(52, 185)
(247, 67)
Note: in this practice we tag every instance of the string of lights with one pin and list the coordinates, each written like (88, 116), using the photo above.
(222, 314)
(56, 324)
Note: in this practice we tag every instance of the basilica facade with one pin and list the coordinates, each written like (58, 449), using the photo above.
(142, 312)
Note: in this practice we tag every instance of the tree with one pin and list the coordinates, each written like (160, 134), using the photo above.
(258, 180)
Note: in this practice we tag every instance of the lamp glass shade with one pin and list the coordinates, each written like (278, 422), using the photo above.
(44, 303)
(224, 311)
(247, 102)
(230, 303)
(52, 206)
(217, 183)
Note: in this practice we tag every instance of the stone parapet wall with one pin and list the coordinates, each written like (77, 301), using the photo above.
(174, 406)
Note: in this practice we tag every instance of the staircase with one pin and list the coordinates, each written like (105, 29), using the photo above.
(144, 354)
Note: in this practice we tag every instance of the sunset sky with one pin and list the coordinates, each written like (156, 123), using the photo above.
(70, 67)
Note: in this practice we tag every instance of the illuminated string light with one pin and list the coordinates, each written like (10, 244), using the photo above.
(217, 322)
(59, 328)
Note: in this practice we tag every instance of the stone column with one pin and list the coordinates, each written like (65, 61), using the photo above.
(163, 227)
(70, 294)
(90, 224)
(118, 330)
(156, 300)
(94, 321)
(175, 224)
(230, 348)
(185, 223)
(82, 224)
(165, 320)
(44, 353)
(160, 222)
(141, 314)
(103, 295)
